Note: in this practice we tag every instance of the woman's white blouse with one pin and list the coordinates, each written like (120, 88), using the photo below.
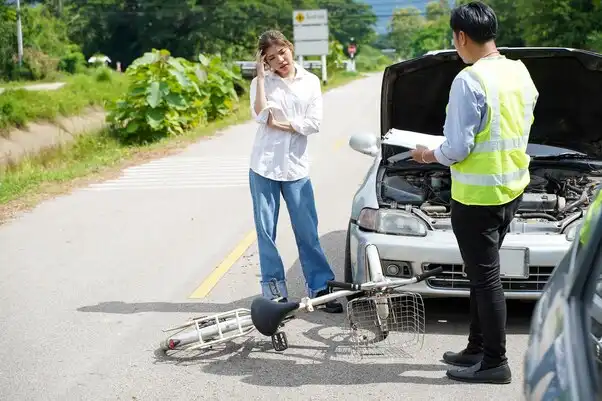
(281, 155)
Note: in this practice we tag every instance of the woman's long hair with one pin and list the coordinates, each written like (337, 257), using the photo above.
(273, 37)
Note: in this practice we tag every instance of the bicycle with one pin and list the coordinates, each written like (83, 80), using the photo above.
(378, 303)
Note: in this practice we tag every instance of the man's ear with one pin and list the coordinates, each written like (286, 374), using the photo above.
(462, 37)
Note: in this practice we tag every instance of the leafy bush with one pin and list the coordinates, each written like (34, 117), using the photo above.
(169, 95)
(371, 59)
(74, 62)
(220, 85)
(104, 74)
(39, 64)
(12, 112)
(7, 40)
(45, 43)
(595, 41)
(336, 56)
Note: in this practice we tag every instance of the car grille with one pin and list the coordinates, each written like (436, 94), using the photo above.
(452, 278)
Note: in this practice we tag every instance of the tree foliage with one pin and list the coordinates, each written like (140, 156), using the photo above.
(191, 80)
(46, 44)
(125, 29)
(562, 23)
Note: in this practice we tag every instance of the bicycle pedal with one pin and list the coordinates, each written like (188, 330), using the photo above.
(279, 341)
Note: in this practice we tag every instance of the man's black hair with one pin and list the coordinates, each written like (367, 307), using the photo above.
(475, 19)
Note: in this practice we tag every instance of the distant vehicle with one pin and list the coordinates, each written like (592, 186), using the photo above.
(402, 207)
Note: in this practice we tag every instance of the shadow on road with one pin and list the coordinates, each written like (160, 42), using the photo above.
(327, 360)
(256, 363)
(443, 315)
(314, 371)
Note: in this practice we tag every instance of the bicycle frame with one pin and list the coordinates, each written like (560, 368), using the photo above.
(378, 281)
(241, 323)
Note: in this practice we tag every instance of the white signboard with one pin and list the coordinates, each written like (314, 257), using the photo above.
(310, 29)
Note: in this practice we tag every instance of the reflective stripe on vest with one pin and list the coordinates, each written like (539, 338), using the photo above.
(497, 169)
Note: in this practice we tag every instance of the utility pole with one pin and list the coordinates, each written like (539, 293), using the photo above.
(19, 34)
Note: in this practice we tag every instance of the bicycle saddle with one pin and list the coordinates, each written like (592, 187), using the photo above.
(267, 315)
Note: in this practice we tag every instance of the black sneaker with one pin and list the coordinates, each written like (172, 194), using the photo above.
(482, 374)
(333, 306)
(464, 358)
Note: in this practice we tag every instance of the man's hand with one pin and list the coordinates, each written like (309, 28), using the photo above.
(420, 154)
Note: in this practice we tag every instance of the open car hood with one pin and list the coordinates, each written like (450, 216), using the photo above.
(568, 113)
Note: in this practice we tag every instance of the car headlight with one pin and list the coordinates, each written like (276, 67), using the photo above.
(394, 222)
(571, 231)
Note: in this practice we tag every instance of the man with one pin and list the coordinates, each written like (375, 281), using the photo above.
(489, 117)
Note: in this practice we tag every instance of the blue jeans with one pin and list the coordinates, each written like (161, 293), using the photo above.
(299, 198)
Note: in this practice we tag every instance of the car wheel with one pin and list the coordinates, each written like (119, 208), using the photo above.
(347, 265)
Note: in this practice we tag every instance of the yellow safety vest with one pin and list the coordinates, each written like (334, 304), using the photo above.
(592, 214)
(497, 169)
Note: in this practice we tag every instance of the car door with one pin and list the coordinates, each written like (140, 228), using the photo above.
(560, 363)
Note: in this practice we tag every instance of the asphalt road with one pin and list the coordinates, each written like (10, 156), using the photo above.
(89, 280)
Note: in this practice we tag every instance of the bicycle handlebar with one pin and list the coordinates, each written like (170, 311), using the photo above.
(390, 283)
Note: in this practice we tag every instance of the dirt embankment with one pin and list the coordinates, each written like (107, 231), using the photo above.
(38, 136)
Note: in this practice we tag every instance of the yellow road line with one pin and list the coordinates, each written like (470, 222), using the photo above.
(207, 285)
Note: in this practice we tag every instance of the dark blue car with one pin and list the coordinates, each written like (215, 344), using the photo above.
(563, 360)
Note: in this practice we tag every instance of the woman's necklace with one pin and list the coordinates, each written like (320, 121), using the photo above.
(489, 54)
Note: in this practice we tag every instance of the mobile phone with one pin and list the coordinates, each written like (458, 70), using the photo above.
(265, 63)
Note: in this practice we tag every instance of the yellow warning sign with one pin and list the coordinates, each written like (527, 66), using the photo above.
(300, 17)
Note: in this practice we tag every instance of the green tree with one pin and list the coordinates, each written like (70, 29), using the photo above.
(566, 23)
(405, 24)
(510, 28)
(125, 29)
(350, 19)
(414, 34)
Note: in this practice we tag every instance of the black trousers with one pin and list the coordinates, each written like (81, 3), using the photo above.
(480, 231)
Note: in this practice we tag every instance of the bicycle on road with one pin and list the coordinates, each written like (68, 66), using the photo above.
(375, 311)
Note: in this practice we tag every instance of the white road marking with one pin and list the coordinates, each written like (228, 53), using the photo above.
(181, 173)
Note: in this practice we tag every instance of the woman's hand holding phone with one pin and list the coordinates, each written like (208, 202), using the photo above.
(260, 65)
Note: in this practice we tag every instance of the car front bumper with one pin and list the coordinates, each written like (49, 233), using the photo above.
(414, 255)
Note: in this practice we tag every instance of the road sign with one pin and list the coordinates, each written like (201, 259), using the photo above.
(310, 29)
(351, 49)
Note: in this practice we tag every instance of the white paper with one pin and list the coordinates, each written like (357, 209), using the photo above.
(411, 139)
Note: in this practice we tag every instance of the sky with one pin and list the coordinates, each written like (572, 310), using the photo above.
(384, 9)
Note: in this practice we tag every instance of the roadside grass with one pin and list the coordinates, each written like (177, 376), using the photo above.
(95, 88)
(95, 156)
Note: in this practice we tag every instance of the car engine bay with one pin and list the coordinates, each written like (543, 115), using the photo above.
(555, 197)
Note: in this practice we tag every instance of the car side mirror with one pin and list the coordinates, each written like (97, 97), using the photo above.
(365, 143)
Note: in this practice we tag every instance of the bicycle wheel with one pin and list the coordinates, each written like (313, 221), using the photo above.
(207, 331)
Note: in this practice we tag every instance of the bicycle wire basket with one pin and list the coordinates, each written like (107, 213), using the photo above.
(391, 325)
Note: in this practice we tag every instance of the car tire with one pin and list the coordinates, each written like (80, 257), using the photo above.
(347, 265)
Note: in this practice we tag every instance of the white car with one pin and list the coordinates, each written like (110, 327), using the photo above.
(402, 207)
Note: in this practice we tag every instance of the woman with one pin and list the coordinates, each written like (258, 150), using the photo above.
(286, 101)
